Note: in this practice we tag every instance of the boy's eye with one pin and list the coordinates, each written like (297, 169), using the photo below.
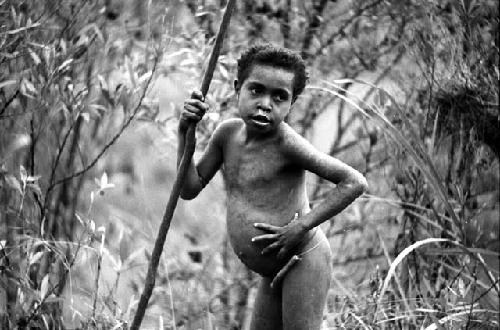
(255, 90)
(280, 97)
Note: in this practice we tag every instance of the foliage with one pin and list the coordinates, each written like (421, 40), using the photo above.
(53, 119)
(444, 197)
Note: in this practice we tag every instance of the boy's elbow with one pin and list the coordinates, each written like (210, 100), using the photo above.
(362, 184)
(189, 194)
(192, 187)
(359, 183)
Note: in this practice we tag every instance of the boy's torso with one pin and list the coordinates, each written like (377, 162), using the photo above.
(263, 185)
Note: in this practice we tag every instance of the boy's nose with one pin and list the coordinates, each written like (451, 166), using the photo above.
(265, 103)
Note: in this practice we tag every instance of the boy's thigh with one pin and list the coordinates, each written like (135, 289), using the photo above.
(305, 288)
(267, 308)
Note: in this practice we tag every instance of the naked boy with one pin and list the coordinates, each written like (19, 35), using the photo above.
(268, 216)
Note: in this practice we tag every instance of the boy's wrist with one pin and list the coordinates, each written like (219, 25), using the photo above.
(182, 127)
(304, 226)
(308, 222)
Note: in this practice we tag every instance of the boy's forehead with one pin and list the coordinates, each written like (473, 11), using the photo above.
(271, 74)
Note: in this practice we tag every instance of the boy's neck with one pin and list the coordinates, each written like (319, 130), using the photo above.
(252, 135)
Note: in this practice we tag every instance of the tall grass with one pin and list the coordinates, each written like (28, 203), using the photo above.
(449, 299)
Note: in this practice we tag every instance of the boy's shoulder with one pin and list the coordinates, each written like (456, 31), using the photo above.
(231, 123)
(291, 138)
(227, 128)
(294, 144)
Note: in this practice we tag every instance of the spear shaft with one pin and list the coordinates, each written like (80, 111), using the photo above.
(181, 175)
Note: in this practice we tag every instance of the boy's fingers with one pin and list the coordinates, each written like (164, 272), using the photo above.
(270, 248)
(190, 116)
(196, 104)
(266, 227)
(265, 237)
(281, 253)
(196, 94)
(277, 279)
(192, 110)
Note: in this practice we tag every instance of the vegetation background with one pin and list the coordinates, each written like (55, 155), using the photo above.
(404, 91)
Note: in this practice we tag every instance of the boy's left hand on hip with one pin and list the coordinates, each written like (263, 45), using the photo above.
(283, 239)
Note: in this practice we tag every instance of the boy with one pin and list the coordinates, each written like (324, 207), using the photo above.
(269, 221)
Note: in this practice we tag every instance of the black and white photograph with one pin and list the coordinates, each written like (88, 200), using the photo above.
(249, 165)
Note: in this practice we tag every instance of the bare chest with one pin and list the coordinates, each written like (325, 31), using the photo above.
(253, 167)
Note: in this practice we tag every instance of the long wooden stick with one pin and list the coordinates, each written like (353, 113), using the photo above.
(181, 175)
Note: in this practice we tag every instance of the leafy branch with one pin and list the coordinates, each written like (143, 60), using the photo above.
(113, 139)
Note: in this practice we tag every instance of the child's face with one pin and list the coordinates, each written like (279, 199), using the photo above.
(265, 97)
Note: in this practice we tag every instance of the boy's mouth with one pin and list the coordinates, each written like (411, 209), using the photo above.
(260, 120)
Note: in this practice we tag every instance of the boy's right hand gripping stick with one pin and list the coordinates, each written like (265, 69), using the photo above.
(207, 78)
(181, 174)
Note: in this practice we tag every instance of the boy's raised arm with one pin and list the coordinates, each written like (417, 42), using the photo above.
(197, 176)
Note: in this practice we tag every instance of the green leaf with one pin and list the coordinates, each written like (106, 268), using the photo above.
(36, 189)
(85, 116)
(7, 83)
(65, 64)
(27, 88)
(35, 257)
(44, 287)
(13, 183)
(34, 56)
(97, 109)
(91, 226)
(77, 216)
(23, 173)
(24, 28)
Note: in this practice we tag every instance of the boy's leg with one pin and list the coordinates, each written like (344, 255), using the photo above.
(267, 308)
(305, 287)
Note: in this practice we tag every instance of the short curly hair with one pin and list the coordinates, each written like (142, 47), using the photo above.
(268, 54)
